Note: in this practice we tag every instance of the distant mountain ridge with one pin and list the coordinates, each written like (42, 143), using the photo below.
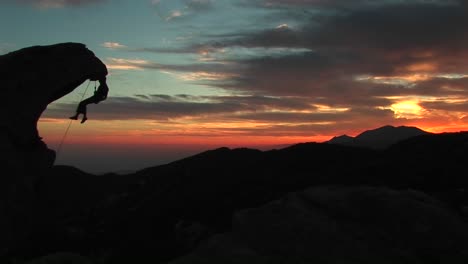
(379, 138)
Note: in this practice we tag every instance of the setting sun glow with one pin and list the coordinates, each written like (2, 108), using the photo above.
(407, 109)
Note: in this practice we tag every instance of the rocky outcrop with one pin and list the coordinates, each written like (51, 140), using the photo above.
(32, 78)
(341, 225)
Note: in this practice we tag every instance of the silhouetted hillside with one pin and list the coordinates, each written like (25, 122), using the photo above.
(167, 211)
(341, 140)
(434, 161)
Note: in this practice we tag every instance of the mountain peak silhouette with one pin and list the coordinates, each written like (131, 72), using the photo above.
(379, 138)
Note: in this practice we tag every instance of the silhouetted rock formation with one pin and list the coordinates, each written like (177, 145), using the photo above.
(379, 138)
(32, 78)
(332, 224)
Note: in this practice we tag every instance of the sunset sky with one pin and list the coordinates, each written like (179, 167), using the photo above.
(192, 75)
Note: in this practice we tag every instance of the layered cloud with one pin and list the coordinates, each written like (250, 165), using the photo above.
(164, 107)
(380, 55)
(282, 116)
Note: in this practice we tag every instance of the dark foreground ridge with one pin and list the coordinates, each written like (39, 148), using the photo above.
(310, 202)
(307, 203)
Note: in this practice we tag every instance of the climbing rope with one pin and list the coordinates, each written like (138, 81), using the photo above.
(59, 149)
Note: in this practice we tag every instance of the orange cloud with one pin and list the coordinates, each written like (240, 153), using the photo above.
(422, 67)
(126, 64)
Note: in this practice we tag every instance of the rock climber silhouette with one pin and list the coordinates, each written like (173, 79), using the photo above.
(99, 95)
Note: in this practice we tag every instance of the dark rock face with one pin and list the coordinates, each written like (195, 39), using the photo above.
(341, 225)
(32, 78)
